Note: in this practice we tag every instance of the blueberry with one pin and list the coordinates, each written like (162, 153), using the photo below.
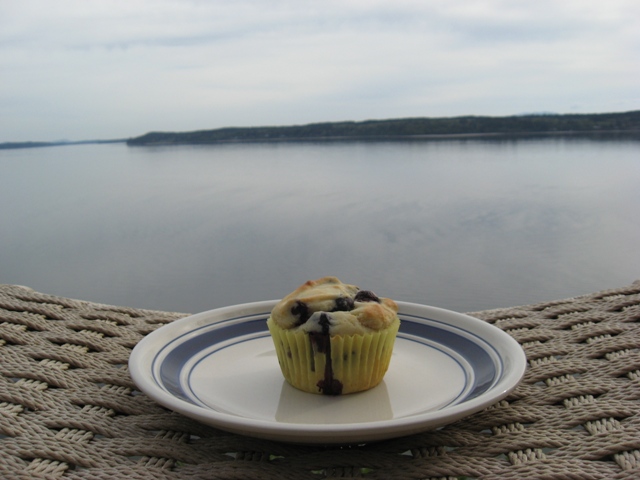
(366, 296)
(343, 304)
(301, 310)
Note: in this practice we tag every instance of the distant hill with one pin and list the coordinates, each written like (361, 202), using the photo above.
(13, 145)
(10, 145)
(405, 127)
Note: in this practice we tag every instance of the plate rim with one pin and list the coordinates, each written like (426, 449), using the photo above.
(140, 369)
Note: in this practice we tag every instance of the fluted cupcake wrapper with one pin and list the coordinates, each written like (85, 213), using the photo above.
(356, 363)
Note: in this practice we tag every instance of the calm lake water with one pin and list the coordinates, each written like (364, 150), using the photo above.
(463, 224)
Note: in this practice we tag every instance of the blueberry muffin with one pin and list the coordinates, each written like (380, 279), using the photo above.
(332, 338)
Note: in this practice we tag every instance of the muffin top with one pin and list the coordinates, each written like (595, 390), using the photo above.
(327, 302)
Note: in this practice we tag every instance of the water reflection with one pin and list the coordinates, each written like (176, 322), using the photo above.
(466, 224)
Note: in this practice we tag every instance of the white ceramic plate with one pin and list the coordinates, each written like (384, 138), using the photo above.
(220, 368)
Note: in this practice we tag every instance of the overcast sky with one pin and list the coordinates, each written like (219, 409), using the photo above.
(93, 69)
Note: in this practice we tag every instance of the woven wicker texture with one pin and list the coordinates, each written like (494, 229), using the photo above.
(69, 410)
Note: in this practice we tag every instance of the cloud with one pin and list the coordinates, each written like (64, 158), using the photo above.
(119, 68)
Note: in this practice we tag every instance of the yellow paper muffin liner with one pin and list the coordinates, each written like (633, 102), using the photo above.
(359, 362)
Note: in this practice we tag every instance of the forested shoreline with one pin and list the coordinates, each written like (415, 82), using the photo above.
(404, 127)
(16, 145)
(421, 127)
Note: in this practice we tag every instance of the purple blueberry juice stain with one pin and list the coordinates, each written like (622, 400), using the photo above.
(321, 342)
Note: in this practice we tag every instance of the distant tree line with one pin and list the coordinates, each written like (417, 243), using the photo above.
(405, 127)
(9, 145)
(13, 145)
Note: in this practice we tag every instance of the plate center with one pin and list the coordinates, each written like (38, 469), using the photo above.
(244, 380)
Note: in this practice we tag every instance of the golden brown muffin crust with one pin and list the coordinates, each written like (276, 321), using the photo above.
(349, 309)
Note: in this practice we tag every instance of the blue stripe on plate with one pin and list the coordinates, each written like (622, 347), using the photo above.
(475, 352)
(181, 351)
